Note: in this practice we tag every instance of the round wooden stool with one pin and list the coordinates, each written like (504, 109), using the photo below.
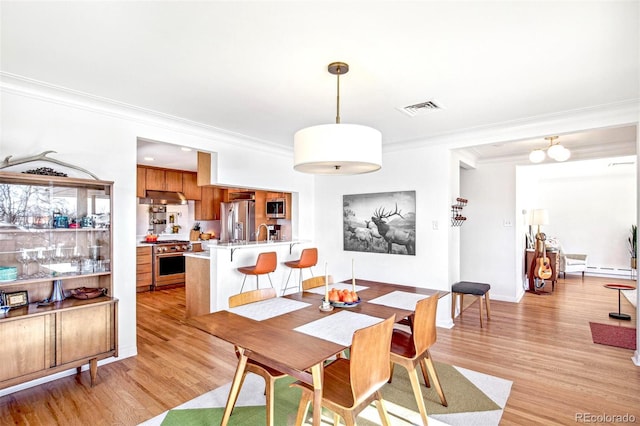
(308, 259)
(476, 289)
(265, 264)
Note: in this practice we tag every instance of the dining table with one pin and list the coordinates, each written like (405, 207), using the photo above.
(293, 335)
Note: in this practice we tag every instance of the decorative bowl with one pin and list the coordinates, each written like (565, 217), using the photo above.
(344, 304)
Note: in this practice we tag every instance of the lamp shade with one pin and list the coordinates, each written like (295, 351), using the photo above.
(540, 217)
(537, 156)
(337, 149)
(555, 150)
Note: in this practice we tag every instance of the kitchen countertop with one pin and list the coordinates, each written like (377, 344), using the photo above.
(245, 244)
(199, 254)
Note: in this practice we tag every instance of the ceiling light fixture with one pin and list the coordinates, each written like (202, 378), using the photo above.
(337, 149)
(555, 151)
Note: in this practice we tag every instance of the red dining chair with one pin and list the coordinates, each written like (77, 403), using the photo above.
(308, 259)
(266, 263)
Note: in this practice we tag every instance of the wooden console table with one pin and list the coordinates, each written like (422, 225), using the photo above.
(554, 259)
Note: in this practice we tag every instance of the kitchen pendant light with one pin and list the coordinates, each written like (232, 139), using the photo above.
(337, 149)
(554, 151)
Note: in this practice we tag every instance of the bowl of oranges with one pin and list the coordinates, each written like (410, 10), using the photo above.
(343, 298)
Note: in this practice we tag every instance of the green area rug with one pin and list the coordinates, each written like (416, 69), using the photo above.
(474, 398)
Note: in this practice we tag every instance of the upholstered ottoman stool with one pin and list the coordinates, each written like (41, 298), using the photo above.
(476, 289)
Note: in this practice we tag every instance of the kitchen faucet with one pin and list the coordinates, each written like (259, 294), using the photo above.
(266, 228)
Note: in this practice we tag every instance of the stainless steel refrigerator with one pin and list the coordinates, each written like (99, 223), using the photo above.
(238, 221)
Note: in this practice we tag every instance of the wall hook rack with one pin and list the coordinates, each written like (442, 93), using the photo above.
(456, 218)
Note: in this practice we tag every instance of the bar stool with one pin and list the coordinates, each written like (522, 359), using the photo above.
(308, 259)
(265, 264)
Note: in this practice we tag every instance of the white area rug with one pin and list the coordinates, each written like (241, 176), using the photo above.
(252, 393)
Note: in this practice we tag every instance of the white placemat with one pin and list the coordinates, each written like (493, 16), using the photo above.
(337, 286)
(339, 327)
(399, 299)
(269, 308)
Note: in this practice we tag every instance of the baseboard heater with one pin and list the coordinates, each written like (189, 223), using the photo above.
(608, 270)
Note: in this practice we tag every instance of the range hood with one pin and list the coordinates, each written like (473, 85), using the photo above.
(163, 197)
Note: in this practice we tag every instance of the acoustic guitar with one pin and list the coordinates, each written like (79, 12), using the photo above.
(543, 265)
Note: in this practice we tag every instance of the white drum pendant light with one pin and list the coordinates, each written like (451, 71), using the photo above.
(337, 149)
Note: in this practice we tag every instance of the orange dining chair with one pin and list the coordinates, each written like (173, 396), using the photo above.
(350, 385)
(269, 374)
(411, 349)
(308, 259)
(314, 282)
(266, 263)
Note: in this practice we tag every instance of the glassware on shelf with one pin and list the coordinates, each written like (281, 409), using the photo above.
(24, 259)
(44, 257)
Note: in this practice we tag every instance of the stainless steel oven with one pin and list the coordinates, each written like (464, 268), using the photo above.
(169, 263)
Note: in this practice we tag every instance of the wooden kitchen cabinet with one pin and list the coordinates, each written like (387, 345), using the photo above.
(144, 269)
(141, 182)
(208, 208)
(197, 286)
(163, 179)
(39, 340)
(155, 179)
(190, 186)
(173, 180)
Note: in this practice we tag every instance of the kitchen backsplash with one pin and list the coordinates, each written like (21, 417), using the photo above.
(183, 216)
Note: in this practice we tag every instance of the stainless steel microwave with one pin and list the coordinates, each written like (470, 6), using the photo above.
(276, 208)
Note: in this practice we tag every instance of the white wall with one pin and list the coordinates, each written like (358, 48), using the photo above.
(425, 170)
(101, 137)
(591, 208)
(487, 245)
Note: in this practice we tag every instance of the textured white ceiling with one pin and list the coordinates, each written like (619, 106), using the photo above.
(259, 68)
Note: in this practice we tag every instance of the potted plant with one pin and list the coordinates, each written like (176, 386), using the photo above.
(633, 248)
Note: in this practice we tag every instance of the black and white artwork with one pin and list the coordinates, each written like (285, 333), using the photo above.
(384, 222)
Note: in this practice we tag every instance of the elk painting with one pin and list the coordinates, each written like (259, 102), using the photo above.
(380, 223)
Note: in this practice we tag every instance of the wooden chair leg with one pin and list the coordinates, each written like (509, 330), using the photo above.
(336, 419)
(425, 374)
(453, 305)
(305, 400)
(481, 301)
(382, 411)
(417, 393)
(436, 381)
(270, 394)
(487, 302)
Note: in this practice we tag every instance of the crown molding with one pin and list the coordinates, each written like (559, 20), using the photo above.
(621, 113)
(46, 92)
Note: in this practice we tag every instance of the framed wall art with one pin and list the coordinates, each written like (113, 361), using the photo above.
(382, 222)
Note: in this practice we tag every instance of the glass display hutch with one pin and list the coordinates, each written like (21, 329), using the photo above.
(55, 238)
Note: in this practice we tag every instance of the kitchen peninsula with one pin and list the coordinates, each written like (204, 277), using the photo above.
(212, 275)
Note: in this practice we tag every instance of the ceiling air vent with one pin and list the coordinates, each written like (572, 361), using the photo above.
(421, 108)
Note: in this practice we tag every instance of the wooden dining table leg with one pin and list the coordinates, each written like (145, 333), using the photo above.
(316, 373)
(235, 387)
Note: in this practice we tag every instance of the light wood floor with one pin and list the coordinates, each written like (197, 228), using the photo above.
(542, 344)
